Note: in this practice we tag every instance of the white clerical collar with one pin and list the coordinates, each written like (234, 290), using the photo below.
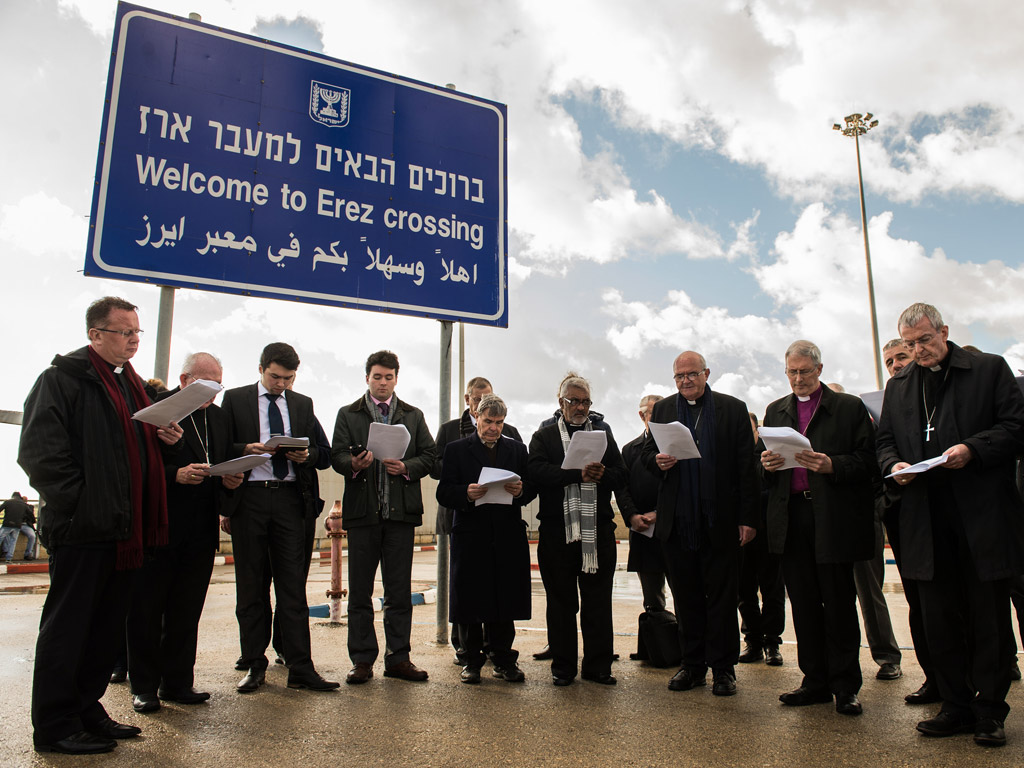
(935, 368)
(118, 369)
(692, 402)
(803, 398)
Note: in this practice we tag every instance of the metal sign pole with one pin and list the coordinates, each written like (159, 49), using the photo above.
(444, 414)
(164, 322)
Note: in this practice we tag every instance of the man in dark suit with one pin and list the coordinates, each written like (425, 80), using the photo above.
(380, 509)
(271, 516)
(490, 553)
(707, 510)
(821, 520)
(576, 551)
(476, 389)
(960, 523)
(163, 622)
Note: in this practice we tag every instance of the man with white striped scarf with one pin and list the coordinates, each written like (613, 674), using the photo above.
(577, 550)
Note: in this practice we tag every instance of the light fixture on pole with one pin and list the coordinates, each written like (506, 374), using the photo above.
(856, 125)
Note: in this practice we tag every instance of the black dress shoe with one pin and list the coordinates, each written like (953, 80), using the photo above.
(252, 681)
(312, 680)
(928, 693)
(561, 681)
(241, 664)
(751, 652)
(185, 696)
(989, 733)
(603, 678)
(685, 679)
(406, 670)
(948, 723)
(889, 671)
(145, 702)
(772, 656)
(543, 654)
(108, 728)
(359, 674)
(510, 674)
(119, 675)
(81, 743)
(848, 704)
(724, 684)
(470, 675)
(801, 697)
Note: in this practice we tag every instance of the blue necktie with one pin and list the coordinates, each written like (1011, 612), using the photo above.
(279, 461)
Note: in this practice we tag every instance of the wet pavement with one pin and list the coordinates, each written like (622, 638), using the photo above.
(443, 722)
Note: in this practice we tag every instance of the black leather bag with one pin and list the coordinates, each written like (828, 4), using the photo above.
(658, 639)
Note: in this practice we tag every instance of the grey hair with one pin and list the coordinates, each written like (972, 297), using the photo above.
(804, 348)
(835, 386)
(703, 362)
(493, 405)
(647, 400)
(573, 380)
(915, 313)
(199, 357)
(893, 343)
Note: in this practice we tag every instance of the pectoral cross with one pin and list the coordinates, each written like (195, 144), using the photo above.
(928, 432)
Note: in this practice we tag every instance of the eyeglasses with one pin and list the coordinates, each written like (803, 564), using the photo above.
(572, 402)
(126, 334)
(688, 375)
(794, 372)
(921, 341)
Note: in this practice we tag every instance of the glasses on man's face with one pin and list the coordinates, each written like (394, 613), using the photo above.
(688, 375)
(803, 372)
(126, 334)
(572, 402)
(923, 341)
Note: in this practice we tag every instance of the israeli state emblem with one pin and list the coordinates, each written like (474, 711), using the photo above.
(329, 104)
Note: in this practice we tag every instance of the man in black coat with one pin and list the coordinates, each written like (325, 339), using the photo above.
(100, 477)
(490, 553)
(707, 510)
(960, 523)
(576, 549)
(270, 516)
(476, 389)
(821, 520)
(163, 622)
(18, 519)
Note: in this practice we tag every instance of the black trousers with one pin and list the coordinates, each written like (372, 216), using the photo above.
(910, 592)
(570, 591)
(163, 623)
(764, 620)
(823, 599)
(499, 638)
(80, 630)
(270, 531)
(703, 583)
(967, 622)
(388, 544)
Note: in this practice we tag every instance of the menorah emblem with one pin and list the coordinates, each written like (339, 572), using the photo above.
(329, 104)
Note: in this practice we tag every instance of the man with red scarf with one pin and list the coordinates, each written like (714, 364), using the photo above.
(101, 479)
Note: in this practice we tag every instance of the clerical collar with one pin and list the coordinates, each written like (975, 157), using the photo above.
(691, 402)
(803, 398)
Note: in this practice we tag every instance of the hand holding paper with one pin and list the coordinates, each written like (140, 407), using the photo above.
(675, 440)
(786, 442)
(495, 479)
(387, 441)
(585, 448)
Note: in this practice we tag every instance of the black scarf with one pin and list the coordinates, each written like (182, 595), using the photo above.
(695, 503)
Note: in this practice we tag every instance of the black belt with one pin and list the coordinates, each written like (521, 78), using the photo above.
(800, 496)
(272, 484)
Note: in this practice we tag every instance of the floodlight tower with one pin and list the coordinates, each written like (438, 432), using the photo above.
(857, 125)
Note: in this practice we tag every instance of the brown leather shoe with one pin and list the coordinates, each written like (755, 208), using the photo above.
(359, 674)
(406, 670)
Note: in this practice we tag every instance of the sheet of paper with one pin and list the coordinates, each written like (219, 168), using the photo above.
(873, 402)
(674, 439)
(495, 480)
(180, 404)
(648, 533)
(585, 448)
(287, 442)
(241, 464)
(786, 442)
(921, 466)
(387, 441)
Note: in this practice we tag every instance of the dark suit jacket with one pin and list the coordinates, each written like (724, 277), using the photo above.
(983, 408)
(192, 510)
(736, 487)
(843, 501)
(490, 552)
(639, 496)
(241, 409)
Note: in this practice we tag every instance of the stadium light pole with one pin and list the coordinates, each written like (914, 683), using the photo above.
(857, 125)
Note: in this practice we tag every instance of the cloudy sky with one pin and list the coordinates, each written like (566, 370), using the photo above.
(674, 183)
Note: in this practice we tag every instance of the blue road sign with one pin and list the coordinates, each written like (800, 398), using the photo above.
(234, 164)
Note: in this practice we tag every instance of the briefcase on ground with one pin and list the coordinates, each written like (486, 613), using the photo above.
(658, 639)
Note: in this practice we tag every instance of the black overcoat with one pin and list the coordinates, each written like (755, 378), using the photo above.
(983, 408)
(639, 496)
(490, 556)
